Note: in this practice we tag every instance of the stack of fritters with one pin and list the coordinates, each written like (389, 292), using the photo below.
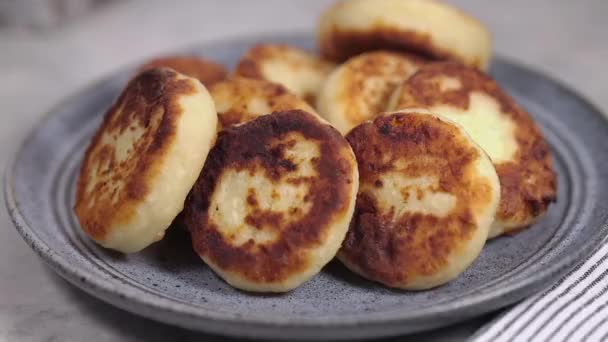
(392, 149)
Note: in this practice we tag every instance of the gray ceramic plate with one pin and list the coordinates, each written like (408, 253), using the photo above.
(168, 282)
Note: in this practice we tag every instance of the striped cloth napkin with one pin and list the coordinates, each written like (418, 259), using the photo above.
(574, 309)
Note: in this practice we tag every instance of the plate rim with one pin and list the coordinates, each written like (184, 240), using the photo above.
(263, 326)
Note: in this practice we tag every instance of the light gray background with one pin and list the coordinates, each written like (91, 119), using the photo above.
(563, 38)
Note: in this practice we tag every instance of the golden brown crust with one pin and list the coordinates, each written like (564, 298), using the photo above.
(109, 187)
(252, 63)
(340, 45)
(392, 247)
(387, 69)
(252, 146)
(206, 71)
(238, 92)
(528, 182)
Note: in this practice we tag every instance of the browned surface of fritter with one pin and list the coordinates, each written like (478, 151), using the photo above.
(391, 67)
(149, 102)
(340, 45)
(251, 63)
(390, 248)
(248, 147)
(206, 71)
(240, 91)
(528, 183)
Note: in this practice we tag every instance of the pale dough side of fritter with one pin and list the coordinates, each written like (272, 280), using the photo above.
(429, 28)
(273, 202)
(427, 197)
(144, 158)
(359, 89)
(504, 130)
(298, 70)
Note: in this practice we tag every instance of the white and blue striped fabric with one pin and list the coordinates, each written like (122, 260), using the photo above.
(573, 309)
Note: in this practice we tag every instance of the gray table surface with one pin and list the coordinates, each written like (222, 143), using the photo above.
(563, 38)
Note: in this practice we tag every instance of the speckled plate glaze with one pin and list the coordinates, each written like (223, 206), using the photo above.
(169, 283)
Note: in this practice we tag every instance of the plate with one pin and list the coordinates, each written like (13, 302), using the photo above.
(167, 281)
